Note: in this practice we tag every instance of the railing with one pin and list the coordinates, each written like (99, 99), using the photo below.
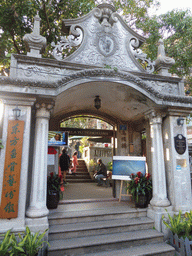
(182, 246)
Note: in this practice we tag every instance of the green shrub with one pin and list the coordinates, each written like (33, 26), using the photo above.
(5, 244)
(180, 224)
(110, 166)
(27, 244)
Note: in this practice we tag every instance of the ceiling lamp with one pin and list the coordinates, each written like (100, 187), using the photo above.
(97, 101)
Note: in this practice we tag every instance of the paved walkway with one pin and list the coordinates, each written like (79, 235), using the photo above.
(83, 191)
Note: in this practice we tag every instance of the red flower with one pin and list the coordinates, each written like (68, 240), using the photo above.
(136, 180)
(148, 175)
(132, 175)
(51, 174)
(139, 174)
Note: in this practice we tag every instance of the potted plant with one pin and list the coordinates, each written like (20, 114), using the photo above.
(53, 190)
(140, 187)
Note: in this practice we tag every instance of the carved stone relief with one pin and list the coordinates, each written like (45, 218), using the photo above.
(103, 41)
(42, 73)
(164, 87)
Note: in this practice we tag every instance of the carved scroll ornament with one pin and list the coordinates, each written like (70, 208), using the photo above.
(139, 55)
(73, 40)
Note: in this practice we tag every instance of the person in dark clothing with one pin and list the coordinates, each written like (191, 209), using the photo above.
(101, 173)
(64, 163)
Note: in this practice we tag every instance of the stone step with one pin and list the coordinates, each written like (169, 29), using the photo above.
(98, 227)
(90, 244)
(80, 172)
(82, 169)
(79, 180)
(157, 249)
(61, 217)
(79, 176)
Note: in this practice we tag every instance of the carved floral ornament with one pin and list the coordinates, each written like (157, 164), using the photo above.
(106, 42)
(73, 40)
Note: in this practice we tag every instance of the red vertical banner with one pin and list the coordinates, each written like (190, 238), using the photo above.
(12, 169)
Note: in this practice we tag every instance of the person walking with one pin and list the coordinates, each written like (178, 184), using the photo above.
(101, 173)
(74, 163)
(64, 163)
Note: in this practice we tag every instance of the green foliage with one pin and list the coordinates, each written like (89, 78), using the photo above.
(16, 247)
(5, 244)
(53, 182)
(92, 163)
(139, 185)
(33, 242)
(1, 145)
(134, 11)
(180, 224)
(16, 20)
(110, 166)
(77, 122)
(84, 143)
(175, 28)
(27, 244)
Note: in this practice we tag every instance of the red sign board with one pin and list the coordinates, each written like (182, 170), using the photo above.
(12, 168)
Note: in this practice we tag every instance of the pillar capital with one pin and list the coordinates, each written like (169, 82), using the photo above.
(43, 110)
(154, 116)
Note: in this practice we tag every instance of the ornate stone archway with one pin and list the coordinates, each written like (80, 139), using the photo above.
(105, 64)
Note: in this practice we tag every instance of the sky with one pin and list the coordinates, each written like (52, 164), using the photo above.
(168, 5)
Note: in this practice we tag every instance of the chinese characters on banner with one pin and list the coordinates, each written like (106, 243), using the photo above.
(12, 167)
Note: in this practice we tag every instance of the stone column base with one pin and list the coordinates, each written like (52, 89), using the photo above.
(37, 224)
(156, 214)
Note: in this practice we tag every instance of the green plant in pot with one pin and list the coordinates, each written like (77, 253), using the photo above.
(53, 190)
(140, 187)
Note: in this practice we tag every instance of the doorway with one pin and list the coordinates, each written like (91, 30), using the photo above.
(92, 138)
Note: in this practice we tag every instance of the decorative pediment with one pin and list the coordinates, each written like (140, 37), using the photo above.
(104, 40)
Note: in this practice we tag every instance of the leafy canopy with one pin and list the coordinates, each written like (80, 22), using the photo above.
(175, 28)
(16, 20)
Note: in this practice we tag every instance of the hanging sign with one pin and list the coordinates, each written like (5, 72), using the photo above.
(180, 144)
(12, 168)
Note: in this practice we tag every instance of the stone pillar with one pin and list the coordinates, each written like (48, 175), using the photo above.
(158, 165)
(37, 207)
(177, 163)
